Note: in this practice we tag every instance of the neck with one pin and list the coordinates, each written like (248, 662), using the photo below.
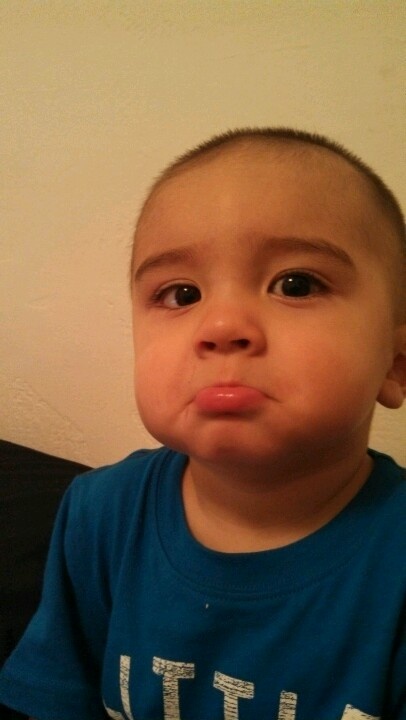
(234, 509)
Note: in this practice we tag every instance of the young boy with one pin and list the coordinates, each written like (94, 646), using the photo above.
(254, 568)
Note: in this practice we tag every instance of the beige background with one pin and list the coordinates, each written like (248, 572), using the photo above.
(96, 97)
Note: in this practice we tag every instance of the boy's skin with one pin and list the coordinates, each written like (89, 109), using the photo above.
(270, 396)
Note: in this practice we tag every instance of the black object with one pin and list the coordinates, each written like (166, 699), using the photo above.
(31, 486)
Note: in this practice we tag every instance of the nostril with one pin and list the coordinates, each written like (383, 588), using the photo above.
(209, 345)
(242, 343)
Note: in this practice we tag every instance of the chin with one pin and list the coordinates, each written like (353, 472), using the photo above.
(236, 453)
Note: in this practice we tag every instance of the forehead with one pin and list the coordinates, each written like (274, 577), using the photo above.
(263, 188)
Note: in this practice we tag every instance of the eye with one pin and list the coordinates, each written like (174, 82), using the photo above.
(177, 296)
(297, 285)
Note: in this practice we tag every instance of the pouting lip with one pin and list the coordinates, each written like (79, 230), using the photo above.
(228, 398)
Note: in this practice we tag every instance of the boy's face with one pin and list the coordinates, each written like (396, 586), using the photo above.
(263, 315)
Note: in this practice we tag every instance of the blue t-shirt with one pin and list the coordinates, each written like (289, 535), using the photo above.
(138, 621)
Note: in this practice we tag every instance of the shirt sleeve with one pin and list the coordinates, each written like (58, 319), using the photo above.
(55, 671)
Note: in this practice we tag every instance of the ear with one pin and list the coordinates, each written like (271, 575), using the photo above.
(393, 390)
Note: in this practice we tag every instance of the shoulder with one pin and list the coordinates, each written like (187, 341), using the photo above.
(384, 502)
(126, 477)
(116, 493)
(388, 479)
(106, 508)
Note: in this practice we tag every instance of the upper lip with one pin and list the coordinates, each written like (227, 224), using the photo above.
(228, 383)
(231, 384)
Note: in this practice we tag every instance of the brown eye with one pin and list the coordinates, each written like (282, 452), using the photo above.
(297, 285)
(179, 296)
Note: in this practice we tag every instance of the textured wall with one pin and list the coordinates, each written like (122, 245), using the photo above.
(97, 96)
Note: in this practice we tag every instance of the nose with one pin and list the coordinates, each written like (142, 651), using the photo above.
(230, 330)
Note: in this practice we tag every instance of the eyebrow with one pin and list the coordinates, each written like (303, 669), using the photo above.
(176, 256)
(188, 254)
(310, 245)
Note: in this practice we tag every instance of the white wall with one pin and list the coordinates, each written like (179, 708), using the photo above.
(97, 97)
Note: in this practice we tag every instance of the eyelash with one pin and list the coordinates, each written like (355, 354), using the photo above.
(160, 295)
(319, 287)
(317, 284)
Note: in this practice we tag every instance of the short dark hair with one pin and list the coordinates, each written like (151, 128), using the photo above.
(285, 136)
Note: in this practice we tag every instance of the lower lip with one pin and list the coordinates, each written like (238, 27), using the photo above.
(228, 399)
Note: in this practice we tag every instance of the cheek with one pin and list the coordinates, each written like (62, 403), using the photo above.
(150, 392)
(343, 371)
(161, 393)
(160, 370)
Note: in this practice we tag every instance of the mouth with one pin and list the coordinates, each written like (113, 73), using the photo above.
(228, 398)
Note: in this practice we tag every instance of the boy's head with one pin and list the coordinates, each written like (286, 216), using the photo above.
(267, 291)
